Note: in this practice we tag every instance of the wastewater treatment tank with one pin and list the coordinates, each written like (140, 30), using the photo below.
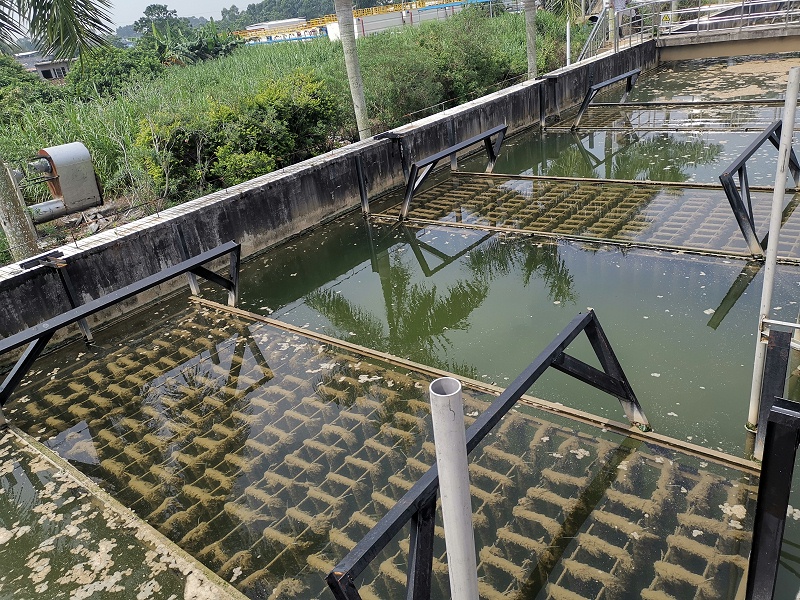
(266, 442)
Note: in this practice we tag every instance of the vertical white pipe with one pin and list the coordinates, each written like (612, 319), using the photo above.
(447, 411)
(784, 149)
(569, 43)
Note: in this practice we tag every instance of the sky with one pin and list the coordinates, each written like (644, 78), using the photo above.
(125, 12)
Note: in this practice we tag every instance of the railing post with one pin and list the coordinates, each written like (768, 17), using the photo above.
(773, 382)
(774, 487)
(420, 559)
(784, 153)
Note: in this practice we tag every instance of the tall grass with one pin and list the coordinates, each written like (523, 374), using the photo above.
(405, 72)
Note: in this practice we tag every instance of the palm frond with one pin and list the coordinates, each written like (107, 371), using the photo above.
(65, 27)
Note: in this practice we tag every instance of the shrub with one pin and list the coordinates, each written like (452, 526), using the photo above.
(106, 71)
(228, 143)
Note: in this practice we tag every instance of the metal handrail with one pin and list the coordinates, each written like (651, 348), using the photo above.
(597, 38)
(648, 20)
(418, 505)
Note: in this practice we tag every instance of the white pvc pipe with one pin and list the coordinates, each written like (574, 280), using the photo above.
(447, 411)
(569, 43)
(770, 264)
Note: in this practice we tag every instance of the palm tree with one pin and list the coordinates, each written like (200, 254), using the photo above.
(529, 8)
(344, 15)
(63, 27)
(418, 318)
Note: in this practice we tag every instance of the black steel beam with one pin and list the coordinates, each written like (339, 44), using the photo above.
(588, 375)
(630, 79)
(81, 312)
(773, 382)
(422, 494)
(37, 337)
(780, 450)
(23, 365)
(743, 212)
(421, 169)
(420, 559)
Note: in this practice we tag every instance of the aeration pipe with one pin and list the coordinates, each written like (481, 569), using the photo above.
(792, 89)
(447, 411)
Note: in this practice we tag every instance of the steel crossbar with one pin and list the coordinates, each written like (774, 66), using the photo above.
(36, 337)
(418, 504)
(630, 80)
(744, 212)
(421, 169)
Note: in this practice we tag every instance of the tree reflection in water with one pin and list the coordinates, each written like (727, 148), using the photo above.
(419, 317)
(658, 157)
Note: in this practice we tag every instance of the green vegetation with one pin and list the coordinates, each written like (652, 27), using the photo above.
(170, 133)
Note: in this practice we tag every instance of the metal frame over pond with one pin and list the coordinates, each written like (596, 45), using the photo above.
(419, 504)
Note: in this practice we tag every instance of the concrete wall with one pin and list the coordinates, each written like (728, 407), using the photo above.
(716, 44)
(276, 206)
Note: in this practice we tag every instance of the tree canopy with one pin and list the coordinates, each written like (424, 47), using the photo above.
(159, 18)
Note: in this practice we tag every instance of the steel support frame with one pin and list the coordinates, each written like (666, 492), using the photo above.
(630, 80)
(421, 169)
(780, 450)
(743, 212)
(36, 337)
(419, 502)
(773, 382)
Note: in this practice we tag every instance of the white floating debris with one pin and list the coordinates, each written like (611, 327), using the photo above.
(580, 453)
(293, 275)
(556, 301)
(672, 414)
(623, 466)
(474, 413)
(709, 311)
(557, 455)
(545, 439)
(737, 510)
(696, 532)
(735, 524)
(635, 535)
(655, 374)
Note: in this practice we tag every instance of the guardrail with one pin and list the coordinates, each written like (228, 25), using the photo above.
(418, 505)
(641, 21)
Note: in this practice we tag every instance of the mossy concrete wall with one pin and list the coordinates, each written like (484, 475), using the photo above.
(274, 207)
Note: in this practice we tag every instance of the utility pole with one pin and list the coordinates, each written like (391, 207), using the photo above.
(14, 218)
